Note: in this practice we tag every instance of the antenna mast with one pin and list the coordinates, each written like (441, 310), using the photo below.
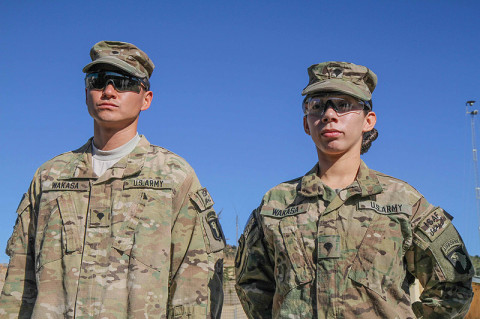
(475, 159)
(236, 229)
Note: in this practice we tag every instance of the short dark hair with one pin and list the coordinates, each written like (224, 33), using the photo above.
(368, 137)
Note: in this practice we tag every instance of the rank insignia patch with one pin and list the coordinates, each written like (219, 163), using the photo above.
(328, 246)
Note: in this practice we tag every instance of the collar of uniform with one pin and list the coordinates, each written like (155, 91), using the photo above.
(365, 183)
(136, 159)
(79, 166)
(311, 185)
(368, 180)
(129, 165)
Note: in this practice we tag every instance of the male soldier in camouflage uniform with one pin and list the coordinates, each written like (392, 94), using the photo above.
(345, 241)
(127, 232)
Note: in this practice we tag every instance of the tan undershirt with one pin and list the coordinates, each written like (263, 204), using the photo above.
(103, 160)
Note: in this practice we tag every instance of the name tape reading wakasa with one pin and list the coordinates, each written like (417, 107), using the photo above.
(280, 213)
(57, 185)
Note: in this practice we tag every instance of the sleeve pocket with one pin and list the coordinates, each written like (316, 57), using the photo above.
(17, 243)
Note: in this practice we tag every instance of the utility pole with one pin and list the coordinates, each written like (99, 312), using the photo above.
(472, 114)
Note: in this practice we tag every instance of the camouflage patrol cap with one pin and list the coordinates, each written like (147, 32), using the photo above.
(345, 77)
(122, 55)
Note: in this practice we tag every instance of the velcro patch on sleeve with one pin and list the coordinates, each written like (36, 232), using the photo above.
(454, 251)
(459, 260)
(213, 231)
(434, 224)
(280, 213)
(252, 221)
(202, 199)
(24, 203)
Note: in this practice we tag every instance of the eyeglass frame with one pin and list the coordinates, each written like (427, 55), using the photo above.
(145, 83)
(367, 105)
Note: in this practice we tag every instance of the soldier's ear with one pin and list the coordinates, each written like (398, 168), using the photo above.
(305, 125)
(147, 100)
(370, 121)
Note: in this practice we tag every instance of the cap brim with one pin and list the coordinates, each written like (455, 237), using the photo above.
(337, 86)
(116, 63)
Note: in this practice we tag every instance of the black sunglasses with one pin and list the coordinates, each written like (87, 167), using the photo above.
(121, 82)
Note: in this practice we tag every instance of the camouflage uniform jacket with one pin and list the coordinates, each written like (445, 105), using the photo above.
(140, 241)
(308, 252)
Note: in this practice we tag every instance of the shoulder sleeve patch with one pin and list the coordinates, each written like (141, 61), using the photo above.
(280, 213)
(252, 221)
(451, 256)
(215, 239)
(434, 224)
(24, 203)
(450, 245)
(459, 260)
(18, 240)
(454, 251)
(202, 199)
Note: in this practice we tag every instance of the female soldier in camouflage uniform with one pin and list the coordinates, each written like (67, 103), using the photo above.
(345, 241)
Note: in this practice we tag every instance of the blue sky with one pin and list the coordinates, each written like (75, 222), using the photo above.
(227, 89)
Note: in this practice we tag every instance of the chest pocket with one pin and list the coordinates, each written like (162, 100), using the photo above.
(57, 230)
(379, 260)
(294, 270)
(145, 232)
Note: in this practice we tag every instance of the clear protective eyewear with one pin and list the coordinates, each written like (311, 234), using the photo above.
(342, 104)
(121, 82)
